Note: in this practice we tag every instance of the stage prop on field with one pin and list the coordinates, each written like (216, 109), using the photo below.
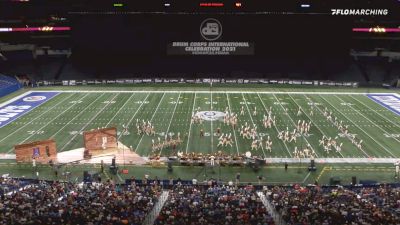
(100, 141)
(42, 151)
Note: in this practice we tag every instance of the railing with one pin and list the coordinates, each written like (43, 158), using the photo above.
(272, 211)
(153, 214)
(130, 81)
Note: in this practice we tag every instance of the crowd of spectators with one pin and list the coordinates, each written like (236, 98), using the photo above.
(337, 205)
(40, 202)
(193, 205)
(8, 185)
(89, 204)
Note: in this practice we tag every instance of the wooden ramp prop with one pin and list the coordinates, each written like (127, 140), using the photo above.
(42, 151)
(100, 142)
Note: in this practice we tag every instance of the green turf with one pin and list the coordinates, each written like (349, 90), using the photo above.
(68, 114)
(65, 116)
(272, 174)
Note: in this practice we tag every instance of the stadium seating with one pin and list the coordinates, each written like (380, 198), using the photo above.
(214, 205)
(41, 202)
(8, 185)
(8, 85)
(337, 205)
(68, 203)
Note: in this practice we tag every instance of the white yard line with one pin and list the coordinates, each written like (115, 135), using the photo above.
(137, 110)
(50, 121)
(35, 118)
(88, 123)
(376, 111)
(173, 113)
(376, 125)
(119, 177)
(294, 124)
(18, 97)
(151, 120)
(320, 130)
(305, 178)
(360, 129)
(276, 128)
(120, 109)
(251, 117)
(362, 114)
(334, 124)
(234, 130)
(172, 117)
(76, 116)
(248, 110)
(190, 126)
(212, 129)
(219, 92)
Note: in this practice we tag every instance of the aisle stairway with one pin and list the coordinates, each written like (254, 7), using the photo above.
(152, 216)
(277, 217)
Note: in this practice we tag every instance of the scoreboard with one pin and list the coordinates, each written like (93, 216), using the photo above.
(212, 34)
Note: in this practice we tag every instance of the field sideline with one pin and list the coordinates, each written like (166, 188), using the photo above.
(70, 112)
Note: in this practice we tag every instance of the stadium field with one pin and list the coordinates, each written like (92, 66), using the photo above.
(68, 113)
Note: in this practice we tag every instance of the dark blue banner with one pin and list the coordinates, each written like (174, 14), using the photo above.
(23, 105)
(389, 101)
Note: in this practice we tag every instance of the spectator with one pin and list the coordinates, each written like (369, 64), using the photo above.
(237, 178)
(357, 205)
(67, 203)
(195, 205)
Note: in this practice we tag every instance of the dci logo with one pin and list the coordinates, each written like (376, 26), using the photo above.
(210, 115)
(34, 98)
(211, 29)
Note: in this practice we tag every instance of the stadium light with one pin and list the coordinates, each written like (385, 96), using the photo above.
(305, 5)
(5, 29)
(377, 30)
(33, 29)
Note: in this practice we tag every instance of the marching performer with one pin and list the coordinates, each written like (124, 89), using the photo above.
(299, 111)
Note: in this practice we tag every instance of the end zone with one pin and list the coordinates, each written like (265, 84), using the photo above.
(389, 101)
(22, 105)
